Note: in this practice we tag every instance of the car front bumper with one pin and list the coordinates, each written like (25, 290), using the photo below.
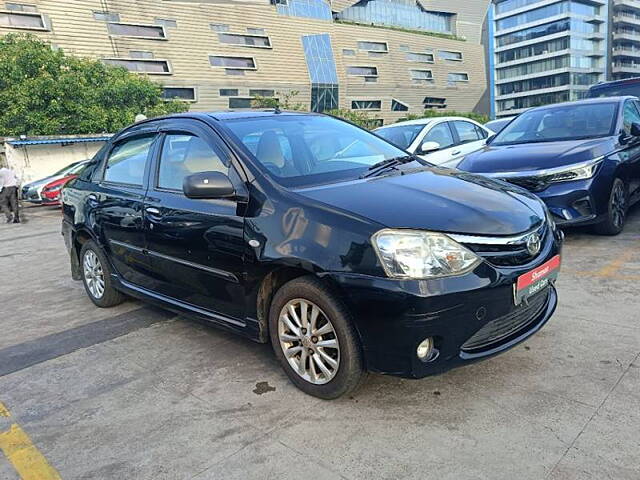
(574, 203)
(393, 317)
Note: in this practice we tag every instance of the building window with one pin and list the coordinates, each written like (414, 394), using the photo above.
(348, 51)
(363, 71)
(239, 102)
(261, 93)
(187, 94)
(318, 9)
(256, 31)
(322, 71)
(257, 41)
(447, 55)
(21, 7)
(398, 13)
(434, 102)
(166, 22)
(29, 21)
(106, 17)
(151, 67)
(140, 54)
(373, 46)
(153, 32)
(420, 57)
(457, 77)
(228, 92)
(236, 63)
(219, 27)
(398, 106)
(421, 76)
(366, 104)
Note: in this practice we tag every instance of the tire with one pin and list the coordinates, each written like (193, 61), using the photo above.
(94, 267)
(616, 210)
(333, 326)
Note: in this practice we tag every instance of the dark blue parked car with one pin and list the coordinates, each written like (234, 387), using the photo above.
(310, 233)
(582, 158)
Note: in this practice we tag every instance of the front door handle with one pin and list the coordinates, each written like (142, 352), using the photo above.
(153, 211)
(456, 152)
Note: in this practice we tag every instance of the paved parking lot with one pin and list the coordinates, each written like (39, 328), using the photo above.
(137, 393)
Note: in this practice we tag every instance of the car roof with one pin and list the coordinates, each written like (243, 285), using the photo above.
(587, 101)
(616, 82)
(425, 121)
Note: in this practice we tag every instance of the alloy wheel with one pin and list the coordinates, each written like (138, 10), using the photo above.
(618, 205)
(309, 341)
(93, 274)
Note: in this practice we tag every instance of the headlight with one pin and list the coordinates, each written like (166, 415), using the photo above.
(419, 254)
(575, 172)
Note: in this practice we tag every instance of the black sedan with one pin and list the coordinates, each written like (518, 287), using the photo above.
(315, 235)
(582, 158)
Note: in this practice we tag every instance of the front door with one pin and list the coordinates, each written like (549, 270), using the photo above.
(442, 135)
(117, 205)
(196, 246)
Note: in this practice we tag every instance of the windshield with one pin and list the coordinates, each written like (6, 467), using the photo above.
(402, 135)
(620, 90)
(310, 149)
(562, 122)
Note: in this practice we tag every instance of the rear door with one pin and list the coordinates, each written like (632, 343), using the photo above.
(469, 138)
(196, 246)
(442, 134)
(117, 204)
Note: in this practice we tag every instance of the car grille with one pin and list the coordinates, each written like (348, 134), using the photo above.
(533, 184)
(503, 327)
(507, 254)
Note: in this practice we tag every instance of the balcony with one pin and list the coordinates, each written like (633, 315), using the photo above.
(626, 67)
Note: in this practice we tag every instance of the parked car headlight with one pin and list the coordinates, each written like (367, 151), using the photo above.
(417, 254)
(581, 171)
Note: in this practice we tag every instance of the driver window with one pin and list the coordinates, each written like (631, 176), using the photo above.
(441, 134)
(631, 116)
(184, 155)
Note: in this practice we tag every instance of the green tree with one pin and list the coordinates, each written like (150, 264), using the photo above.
(478, 117)
(45, 92)
(282, 100)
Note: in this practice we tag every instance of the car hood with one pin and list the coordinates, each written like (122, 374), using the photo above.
(436, 199)
(534, 156)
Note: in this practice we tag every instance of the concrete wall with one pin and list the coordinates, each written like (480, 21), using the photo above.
(33, 162)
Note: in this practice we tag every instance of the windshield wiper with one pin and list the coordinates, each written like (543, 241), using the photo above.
(387, 164)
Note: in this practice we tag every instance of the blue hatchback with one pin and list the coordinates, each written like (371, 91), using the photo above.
(582, 158)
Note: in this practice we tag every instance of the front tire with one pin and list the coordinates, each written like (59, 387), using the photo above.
(96, 277)
(616, 210)
(314, 339)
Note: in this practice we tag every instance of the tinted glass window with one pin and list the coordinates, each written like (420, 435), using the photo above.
(562, 122)
(632, 88)
(184, 155)
(441, 134)
(467, 132)
(307, 149)
(631, 116)
(402, 136)
(127, 161)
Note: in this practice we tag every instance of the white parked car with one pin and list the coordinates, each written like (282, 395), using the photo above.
(438, 140)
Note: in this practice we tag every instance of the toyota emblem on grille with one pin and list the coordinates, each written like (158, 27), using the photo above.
(533, 244)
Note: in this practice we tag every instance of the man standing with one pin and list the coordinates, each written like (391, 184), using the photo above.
(9, 195)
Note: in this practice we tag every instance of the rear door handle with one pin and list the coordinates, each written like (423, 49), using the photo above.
(456, 152)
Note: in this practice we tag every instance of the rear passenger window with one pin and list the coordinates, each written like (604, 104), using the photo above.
(127, 161)
(467, 132)
(184, 155)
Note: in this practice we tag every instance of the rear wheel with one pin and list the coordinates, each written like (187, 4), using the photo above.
(96, 276)
(314, 339)
(616, 210)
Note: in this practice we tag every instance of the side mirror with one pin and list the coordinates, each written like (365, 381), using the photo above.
(635, 129)
(208, 185)
(429, 147)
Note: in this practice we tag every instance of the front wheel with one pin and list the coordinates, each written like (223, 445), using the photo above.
(314, 339)
(616, 210)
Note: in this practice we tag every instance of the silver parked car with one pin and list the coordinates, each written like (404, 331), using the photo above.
(32, 192)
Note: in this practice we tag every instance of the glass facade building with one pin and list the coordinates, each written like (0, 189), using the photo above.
(322, 72)
(547, 51)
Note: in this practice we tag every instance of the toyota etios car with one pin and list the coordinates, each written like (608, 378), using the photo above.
(318, 236)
